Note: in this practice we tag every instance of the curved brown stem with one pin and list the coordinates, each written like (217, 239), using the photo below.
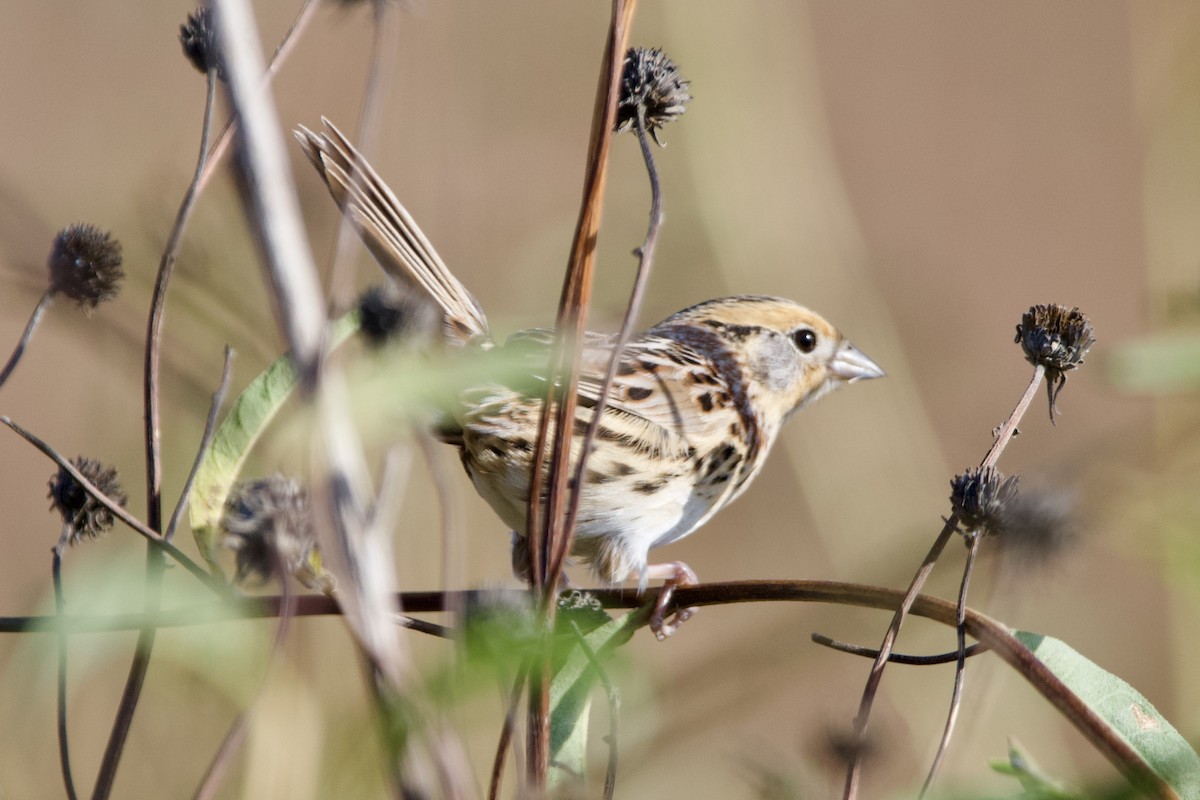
(871, 688)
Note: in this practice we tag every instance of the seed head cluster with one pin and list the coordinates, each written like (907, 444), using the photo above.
(980, 498)
(1057, 338)
(199, 39)
(650, 82)
(386, 312)
(85, 516)
(85, 265)
(268, 523)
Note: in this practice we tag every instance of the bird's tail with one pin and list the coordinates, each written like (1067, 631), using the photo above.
(389, 231)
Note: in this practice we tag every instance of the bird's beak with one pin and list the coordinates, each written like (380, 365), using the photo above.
(850, 364)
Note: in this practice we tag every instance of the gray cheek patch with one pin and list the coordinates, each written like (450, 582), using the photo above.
(776, 363)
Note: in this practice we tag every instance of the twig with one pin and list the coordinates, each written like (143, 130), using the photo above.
(382, 61)
(898, 658)
(118, 511)
(989, 632)
(140, 663)
(871, 688)
(544, 535)
(232, 743)
(506, 735)
(210, 425)
(64, 753)
(645, 255)
(960, 665)
(269, 196)
(30, 327)
(217, 154)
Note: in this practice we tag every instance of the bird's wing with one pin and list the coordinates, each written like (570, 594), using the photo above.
(661, 384)
(389, 231)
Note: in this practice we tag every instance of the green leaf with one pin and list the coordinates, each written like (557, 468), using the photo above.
(392, 385)
(1128, 713)
(248, 417)
(1036, 783)
(571, 696)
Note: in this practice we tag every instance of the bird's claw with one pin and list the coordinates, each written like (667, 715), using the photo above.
(673, 575)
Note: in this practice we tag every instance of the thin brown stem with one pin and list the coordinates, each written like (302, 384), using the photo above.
(506, 735)
(118, 511)
(645, 255)
(989, 632)
(871, 688)
(64, 751)
(218, 768)
(217, 154)
(561, 393)
(26, 335)
(210, 426)
(382, 63)
(897, 658)
(960, 664)
(151, 395)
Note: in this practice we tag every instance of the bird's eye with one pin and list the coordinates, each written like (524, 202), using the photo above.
(805, 339)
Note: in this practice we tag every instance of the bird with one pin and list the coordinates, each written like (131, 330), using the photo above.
(696, 403)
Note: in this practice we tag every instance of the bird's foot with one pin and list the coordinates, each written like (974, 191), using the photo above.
(673, 574)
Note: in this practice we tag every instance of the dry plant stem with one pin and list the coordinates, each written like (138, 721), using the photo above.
(453, 532)
(1006, 432)
(269, 196)
(960, 666)
(140, 663)
(504, 744)
(898, 658)
(564, 381)
(120, 513)
(64, 751)
(645, 255)
(382, 65)
(989, 632)
(218, 768)
(217, 154)
(26, 335)
(571, 320)
(210, 427)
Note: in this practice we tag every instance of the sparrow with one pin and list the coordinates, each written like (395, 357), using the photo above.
(696, 403)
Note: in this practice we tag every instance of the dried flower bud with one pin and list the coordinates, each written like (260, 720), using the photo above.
(85, 265)
(199, 39)
(1057, 338)
(652, 83)
(268, 523)
(980, 498)
(83, 514)
(387, 311)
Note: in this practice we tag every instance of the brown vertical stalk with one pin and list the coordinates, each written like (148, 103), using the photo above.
(545, 534)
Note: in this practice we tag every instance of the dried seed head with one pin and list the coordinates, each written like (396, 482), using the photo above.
(1057, 338)
(387, 311)
(199, 39)
(85, 517)
(652, 83)
(980, 497)
(269, 525)
(85, 265)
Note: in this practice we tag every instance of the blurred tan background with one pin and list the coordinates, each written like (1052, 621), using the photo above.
(920, 172)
